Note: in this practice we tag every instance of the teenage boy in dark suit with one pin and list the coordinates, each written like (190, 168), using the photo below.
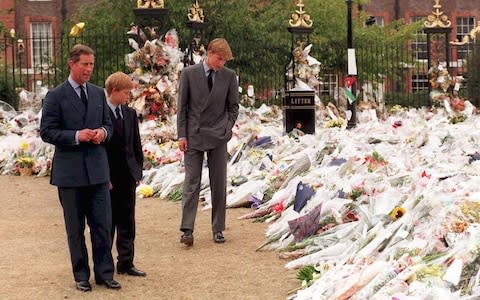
(125, 158)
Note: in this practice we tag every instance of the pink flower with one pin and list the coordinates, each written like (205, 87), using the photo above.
(170, 40)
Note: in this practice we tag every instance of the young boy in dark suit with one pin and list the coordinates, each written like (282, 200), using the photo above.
(125, 158)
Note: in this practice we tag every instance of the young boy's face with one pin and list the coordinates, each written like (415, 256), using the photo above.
(120, 96)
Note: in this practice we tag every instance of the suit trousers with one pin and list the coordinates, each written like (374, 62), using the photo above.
(217, 169)
(93, 203)
(123, 217)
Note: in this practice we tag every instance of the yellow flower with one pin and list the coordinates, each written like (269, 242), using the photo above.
(24, 146)
(77, 29)
(25, 162)
(145, 191)
(397, 108)
(334, 123)
(138, 71)
(397, 213)
(429, 271)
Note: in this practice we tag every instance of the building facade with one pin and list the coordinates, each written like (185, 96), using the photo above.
(36, 25)
(464, 16)
(37, 21)
(7, 13)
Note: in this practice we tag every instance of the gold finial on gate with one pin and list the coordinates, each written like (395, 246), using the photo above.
(195, 13)
(150, 4)
(437, 18)
(300, 18)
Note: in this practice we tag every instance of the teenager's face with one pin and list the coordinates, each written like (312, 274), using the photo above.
(120, 97)
(82, 69)
(215, 61)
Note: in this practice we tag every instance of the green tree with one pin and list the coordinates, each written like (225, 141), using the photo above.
(7, 82)
(473, 76)
(257, 32)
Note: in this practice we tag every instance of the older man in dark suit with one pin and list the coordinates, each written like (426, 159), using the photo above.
(206, 112)
(75, 118)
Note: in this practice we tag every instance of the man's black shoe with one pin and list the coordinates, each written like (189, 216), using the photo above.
(132, 271)
(187, 238)
(83, 286)
(110, 284)
(218, 237)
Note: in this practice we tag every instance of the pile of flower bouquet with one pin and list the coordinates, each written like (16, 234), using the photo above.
(155, 68)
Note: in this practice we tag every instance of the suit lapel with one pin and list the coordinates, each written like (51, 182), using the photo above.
(77, 102)
(201, 79)
(218, 85)
(202, 85)
(91, 109)
(219, 80)
(127, 124)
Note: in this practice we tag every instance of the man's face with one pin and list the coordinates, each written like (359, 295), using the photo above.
(120, 96)
(215, 61)
(82, 69)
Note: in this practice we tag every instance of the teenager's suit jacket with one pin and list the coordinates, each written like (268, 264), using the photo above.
(132, 147)
(75, 165)
(206, 117)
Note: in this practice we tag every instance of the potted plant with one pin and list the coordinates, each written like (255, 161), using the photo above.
(24, 162)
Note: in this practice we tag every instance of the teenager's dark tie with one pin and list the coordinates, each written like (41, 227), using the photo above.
(83, 96)
(210, 79)
(118, 123)
(117, 113)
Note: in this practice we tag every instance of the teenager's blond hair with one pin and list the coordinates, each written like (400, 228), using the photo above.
(220, 46)
(119, 81)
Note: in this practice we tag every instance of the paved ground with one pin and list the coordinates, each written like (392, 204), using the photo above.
(34, 259)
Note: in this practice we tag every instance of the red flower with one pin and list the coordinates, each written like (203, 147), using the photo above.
(154, 108)
(397, 124)
(350, 217)
(278, 208)
(424, 174)
(349, 81)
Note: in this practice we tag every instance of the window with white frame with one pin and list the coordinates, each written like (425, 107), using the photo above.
(419, 44)
(42, 43)
(419, 82)
(464, 26)
(329, 84)
(375, 20)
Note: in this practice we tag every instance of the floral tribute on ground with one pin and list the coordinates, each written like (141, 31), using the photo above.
(387, 210)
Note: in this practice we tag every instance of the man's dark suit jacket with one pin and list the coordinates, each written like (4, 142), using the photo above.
(75, 165)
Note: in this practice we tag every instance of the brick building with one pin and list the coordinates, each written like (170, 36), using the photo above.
(7, 16)
(36, 24)
(33, 16)
(37, 20)
(463, 15)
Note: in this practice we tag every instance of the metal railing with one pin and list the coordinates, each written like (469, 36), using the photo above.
(392, 73)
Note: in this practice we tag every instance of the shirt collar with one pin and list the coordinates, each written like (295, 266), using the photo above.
(111, 105)
(74, 84)
(206, 68)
